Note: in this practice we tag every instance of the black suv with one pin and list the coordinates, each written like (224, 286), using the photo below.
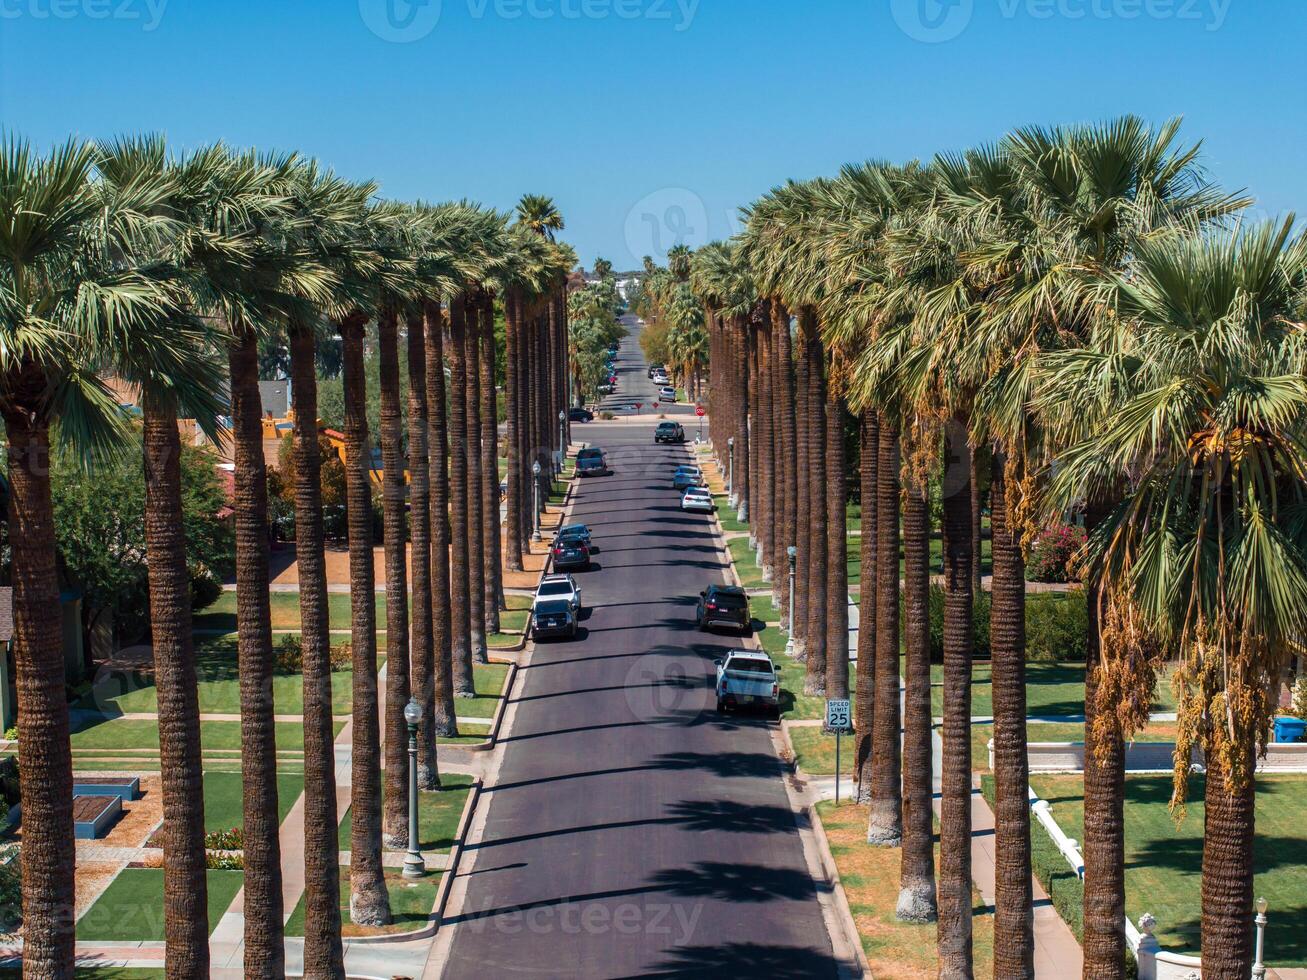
(724, 605)
(580, 415)
(553, 618)
(669, 432)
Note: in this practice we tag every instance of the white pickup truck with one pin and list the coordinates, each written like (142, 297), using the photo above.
(746, 678)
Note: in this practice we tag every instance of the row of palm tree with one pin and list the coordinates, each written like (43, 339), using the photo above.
(676, 327)
(121, 258)
(1086, 310)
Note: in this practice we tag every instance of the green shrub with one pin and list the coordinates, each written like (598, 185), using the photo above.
(205, 589)
(1297, 707)
(342, 656)
(289, 655)
(11, 733)
(1057, 626)
(224, 862)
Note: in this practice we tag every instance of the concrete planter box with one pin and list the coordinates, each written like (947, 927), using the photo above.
(126, 788)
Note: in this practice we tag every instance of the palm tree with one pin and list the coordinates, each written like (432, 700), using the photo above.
(864, 682)
(459, 605)
(394, 493)
(331, 210)
(917, 875)
(423, 655)
(1199, 409)
(441, 698)
(477, 516)
(490, 538)
(836, 589)
(369, 901)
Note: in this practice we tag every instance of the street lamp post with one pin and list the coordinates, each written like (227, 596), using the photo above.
(1259, 968)
(792, 553)
(414, 866)
(730, 478)
(562, 440)
(535, 483)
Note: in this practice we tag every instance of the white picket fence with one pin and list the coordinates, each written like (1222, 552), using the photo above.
(1154, 962)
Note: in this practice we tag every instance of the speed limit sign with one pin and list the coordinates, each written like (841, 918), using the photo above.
(837, 715)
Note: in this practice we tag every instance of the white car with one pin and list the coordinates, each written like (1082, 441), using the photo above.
(661, 379)
(667, 394)
(746, 678)
(697, 499)
(555, 587)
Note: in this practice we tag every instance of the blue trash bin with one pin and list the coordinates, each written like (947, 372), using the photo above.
(1290, 730)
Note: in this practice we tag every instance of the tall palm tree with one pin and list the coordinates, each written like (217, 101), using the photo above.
(917, 875)
(490, 538)
(423, 655)
(864, 682)
(395, 533)
(836, 589)
(369, 900)
(459, 602)
(477, 516)
(443, 715)
(1198, 412)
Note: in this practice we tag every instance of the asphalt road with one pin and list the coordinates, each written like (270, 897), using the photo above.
(632, 831)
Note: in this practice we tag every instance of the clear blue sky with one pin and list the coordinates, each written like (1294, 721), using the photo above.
(653, 119)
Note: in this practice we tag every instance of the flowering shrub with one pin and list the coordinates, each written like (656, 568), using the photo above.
(225, 840)
(1052, 551)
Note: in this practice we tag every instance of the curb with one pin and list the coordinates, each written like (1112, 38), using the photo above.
(446, 882)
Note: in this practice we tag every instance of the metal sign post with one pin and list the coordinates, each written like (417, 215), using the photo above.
(837, 720)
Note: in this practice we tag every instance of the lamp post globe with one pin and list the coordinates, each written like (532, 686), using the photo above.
(792, 553)
(535, 484)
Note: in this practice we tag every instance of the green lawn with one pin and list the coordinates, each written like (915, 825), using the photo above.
(411, 903)
(762, 610)
(1051, 689)
(814, 751)
(750, 574)
(285, 611)
(489, 682)
(1163, 862)
(727, 514)
(222, 798)
(438, 814)
(131, 908)
(124, 733)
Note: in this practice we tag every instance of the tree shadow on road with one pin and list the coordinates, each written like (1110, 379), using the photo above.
(746, 960)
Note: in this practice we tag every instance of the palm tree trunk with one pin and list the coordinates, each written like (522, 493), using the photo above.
(438, 705)
(813, 471)
(808, 512)
(185, 890)
(764, 527)
(741, 468)
(788, 475)
(394, 493)
(1014, 950)
(264, 952)
(1227, 887)
(955, 928)
(837, 562)
(490, 540)
(423, 656)
(512, 395)
(476, 551)
(45, 766)
(864, 683)
(459, 607)
(323, 954)
(885, 819)
(917, 868)
(369, 901)
(977, 564)
(1104, 844)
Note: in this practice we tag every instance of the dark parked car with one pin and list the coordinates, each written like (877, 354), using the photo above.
(724, 605)
(570, 553)
(553, 618)
(591, 461)
(669, 432)
(581, 415)
(655, 369)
